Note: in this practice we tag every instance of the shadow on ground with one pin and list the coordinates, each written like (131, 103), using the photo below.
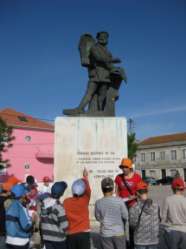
(96, 241)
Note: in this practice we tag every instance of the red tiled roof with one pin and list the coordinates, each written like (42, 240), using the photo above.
(164, 139)
(22, 120)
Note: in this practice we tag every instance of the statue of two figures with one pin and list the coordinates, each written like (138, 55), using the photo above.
(104, 78)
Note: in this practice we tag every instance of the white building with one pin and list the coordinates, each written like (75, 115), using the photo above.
(162, 156)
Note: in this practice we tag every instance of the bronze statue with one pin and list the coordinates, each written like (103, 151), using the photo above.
(104, 78)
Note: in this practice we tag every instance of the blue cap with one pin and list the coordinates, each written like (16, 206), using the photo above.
(19, 190)
(78, 187)
(58, 189)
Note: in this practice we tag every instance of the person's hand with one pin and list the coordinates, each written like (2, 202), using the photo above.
(132, 197)
(85, 173)
(34, 217)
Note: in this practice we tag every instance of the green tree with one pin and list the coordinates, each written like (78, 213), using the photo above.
(5, 142)
(132, 145)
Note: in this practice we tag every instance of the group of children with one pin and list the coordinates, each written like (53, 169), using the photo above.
(132, 217)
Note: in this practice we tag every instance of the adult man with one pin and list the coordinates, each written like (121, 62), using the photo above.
(126, 182)
(99, 69)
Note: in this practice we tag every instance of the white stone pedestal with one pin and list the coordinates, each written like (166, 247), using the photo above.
(97, 143)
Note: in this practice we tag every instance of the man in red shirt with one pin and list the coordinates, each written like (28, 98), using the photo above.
(126, 188)
(126, 182)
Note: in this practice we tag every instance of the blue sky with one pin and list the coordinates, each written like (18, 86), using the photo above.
(40, 71)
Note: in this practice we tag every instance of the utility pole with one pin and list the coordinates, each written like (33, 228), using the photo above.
(130, 125)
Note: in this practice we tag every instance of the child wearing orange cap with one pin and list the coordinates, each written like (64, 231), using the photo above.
(144, 218)
(174, 216)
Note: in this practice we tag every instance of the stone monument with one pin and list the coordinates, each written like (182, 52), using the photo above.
(90, 135)
(96, 143)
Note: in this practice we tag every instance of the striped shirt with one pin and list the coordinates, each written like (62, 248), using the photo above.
(112, 213)
(53, 221)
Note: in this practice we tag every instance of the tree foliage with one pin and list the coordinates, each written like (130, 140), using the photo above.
(132, 145)
(5, 141)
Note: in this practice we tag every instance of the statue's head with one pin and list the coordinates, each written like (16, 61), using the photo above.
(102, 37)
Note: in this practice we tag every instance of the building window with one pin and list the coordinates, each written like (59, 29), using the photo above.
(162, 155)
(174, 172)
(152, 173)
(163, 173)
(173, 155)
(2, 169)
(27, 166)
(152, 156)
(143, 173)
(28, 138)
(184, 154)
(143, 157)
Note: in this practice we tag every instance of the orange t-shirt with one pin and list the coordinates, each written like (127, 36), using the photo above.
(77, 212)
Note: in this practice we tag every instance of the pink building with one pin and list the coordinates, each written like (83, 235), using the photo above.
(32, 150)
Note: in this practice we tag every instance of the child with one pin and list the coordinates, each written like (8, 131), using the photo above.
(46, 188)
(18, 222)
(144, 218)
(112, 213)
(53, 219)
(76, 208)
(174, 216)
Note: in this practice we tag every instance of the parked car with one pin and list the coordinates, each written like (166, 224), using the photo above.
(150, 180)
(165, 181)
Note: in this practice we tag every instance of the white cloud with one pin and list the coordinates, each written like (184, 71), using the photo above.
(160, 112)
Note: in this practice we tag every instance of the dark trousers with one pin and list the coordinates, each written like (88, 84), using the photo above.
(78, 241)
(115, 242)
(130, 244)
(2, 242)
(55, 245)
(174, 239)
(17, 247)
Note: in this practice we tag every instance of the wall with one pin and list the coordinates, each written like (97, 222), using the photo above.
(23, 154)
(168, 164)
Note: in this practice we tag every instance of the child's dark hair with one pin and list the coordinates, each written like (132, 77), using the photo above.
(107, 185)
(107, 190)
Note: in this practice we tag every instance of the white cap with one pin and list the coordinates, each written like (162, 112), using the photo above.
(78, 187)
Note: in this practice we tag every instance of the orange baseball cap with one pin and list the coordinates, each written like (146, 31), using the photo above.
(126, 162)
(141, 185)
(12, 180)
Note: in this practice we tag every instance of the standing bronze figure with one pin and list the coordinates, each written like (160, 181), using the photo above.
(104, 77)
